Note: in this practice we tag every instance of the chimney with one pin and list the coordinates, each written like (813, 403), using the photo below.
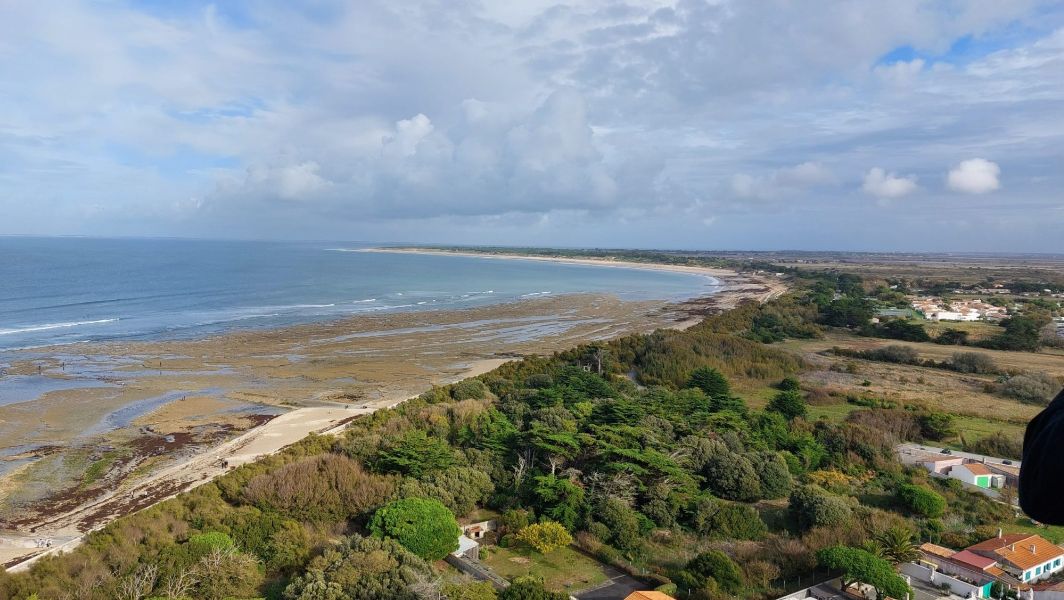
(999, 532)
(1012, 547)
(1032, 548)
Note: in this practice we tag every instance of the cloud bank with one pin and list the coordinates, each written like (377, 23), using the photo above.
(666, 123)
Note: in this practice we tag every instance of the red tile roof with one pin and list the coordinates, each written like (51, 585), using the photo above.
(972, 559)
(1019, 549)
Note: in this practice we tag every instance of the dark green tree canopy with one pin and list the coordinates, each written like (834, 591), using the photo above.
(424, 527)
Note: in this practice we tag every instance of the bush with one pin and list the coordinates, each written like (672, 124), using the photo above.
(811, 507)
(546, 536)
(361, 569)
(953, 337)
(529, 588)
(936, 426)
(921, 501)
(1031, 388)
(322, 489)
(424, 527)
(997, 444)
(469, 389)
(973, 362)
(710, 381)
(893, 354)
(716, 565)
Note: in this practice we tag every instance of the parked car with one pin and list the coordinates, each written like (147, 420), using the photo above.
(947, 451)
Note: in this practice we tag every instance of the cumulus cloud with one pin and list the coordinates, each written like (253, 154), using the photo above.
(974, 176)
(882, 184)
(314, 120)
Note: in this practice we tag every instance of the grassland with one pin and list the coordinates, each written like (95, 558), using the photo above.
(970, 398)
(562, 570)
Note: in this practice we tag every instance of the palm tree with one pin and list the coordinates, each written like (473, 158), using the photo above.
(897, 544)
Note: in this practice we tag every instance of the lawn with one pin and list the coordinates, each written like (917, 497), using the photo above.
(562, 570)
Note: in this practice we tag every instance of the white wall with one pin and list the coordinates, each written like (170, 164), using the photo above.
(936, 579)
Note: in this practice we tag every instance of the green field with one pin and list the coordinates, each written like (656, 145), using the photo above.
(562, 570)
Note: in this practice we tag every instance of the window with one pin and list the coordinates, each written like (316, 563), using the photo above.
(1038, 570)
(1056, 563)
(1026, 575)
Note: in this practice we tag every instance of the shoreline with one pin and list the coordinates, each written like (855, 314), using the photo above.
(712, 272)
(324, 374)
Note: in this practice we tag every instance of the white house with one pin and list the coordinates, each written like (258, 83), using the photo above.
(976, 474)
(1027, 557)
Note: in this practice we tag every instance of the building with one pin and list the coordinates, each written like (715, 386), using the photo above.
(467, 548)
(1026, 557)
(476, 531)
(648, 596)
(976, 474)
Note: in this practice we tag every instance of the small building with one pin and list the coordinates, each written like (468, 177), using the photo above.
(467, 548)
(942, 466)
(476, 531)
(976, 474)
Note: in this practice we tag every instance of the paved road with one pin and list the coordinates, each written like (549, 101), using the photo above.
(916, 451)
(619, 586)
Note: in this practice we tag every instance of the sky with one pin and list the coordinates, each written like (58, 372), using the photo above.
(711, 124)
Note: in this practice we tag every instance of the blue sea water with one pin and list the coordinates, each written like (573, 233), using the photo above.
(65, 290)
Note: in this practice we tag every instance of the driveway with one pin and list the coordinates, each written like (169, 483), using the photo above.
(618, 587)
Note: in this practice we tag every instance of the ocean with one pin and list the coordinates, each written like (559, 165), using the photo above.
(70, 290)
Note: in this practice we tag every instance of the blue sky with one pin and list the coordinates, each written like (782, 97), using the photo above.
(753, 124)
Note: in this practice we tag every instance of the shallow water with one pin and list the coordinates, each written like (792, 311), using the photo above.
(68, 290)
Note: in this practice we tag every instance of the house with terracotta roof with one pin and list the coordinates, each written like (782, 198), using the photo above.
(974, 473)
(649, 596)
(1026, 557)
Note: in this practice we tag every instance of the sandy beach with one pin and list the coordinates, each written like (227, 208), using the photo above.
(122, 425)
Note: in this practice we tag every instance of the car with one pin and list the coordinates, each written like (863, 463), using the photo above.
(1006, 462)
(947, 451)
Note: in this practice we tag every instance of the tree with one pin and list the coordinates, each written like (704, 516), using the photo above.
(897, 545)
(814, 507)
(860, 566)
(955, 337)
(460, 489)
(789, 403)
(789, 384)
(424, 527)
(226, 574)
(731, 475)
(727, 520)
(360, 569)
(936, 426)
(416, 454)
(921, 500)
(773, 474)
(716, 565)
(560, 499)
(545, 536)
(622, 522)
(710, 381)
(324, 488)
(848, 312)
(529, 588)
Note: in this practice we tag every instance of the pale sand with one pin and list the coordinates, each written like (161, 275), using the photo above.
(598, 262)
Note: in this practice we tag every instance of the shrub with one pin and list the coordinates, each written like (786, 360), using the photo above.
(972, 362)
(545, 536)
(921, 500)
(469, 389)
(716, 565)
(997, 444)
(893, 354)
(323, 489)
(812, 507)
(424, 527)
(1031, 388)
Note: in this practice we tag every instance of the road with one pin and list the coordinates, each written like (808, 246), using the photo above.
(912, 453)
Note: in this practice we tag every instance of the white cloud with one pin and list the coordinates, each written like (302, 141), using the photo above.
(974, 176)
(882, 184)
